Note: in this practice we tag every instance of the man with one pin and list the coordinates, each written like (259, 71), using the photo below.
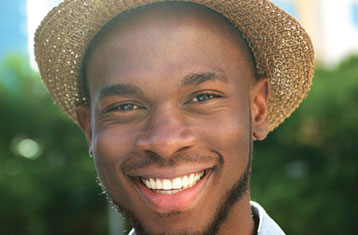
(170, 96)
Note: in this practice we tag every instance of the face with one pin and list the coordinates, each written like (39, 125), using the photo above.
(169, 123)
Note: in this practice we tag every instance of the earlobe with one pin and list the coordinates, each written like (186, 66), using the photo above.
(259, 108)
(83, 114)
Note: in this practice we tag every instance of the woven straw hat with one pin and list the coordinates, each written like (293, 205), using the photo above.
(282, 49)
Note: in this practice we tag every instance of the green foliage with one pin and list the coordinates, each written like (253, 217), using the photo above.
(305, 172)
(53, 190)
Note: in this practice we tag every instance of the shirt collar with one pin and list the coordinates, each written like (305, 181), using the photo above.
(266, 225)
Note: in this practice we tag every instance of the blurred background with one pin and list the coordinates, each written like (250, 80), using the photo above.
(304, 173)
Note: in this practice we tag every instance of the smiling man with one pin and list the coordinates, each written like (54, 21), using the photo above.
(170, 96)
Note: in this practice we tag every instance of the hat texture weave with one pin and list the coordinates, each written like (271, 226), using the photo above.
(281, 47)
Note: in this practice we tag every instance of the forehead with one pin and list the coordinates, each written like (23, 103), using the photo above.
(176, 32)
(176, 12)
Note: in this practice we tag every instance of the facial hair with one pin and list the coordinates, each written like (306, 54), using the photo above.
(232, 196)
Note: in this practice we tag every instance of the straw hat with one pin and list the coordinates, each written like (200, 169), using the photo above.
(282, 49)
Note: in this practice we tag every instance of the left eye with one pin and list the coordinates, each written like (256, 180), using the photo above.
(204, 97)
(122, 107)
(127, 107)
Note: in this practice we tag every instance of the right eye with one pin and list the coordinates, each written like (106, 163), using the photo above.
(122, 107)
(204, 97)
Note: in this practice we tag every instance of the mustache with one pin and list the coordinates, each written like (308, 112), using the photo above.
(156, 160)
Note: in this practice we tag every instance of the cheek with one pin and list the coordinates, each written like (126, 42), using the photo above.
(228, 130)
(229, 136)
(110, 148)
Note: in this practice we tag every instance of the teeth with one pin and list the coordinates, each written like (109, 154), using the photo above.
(170, 186)
(197, 178)
(185, 181)
(177, 183)
(169, 191)
(159, 184)
(167, 185)
(191, 180)
(147, 183)
(152, 183)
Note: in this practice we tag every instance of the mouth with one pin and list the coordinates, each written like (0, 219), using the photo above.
(172, 186)
(178, 193)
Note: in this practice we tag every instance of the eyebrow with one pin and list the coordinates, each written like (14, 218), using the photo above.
(198, 78)
(189, 80)
(120, 90)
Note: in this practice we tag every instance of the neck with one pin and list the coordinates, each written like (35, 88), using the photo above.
(240, 220)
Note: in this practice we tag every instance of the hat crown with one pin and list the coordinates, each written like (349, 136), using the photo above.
(282, 49)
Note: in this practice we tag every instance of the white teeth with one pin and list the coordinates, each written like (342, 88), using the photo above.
(170, 186)
(176, 183)
(152, 183)
(185, 181)
(169, 191)
(197, 177)
(147, 183)
(159, 184)
(191, 180)
(167, 185)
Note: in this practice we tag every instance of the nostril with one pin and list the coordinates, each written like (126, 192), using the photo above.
(165, 146)
(165, 136)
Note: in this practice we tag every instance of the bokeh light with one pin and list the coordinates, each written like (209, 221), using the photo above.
(27, 148)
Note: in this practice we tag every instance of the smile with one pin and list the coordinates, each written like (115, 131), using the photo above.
(170, 193)
(171, 186)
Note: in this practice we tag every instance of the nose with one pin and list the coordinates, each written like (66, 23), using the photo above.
(166, 134)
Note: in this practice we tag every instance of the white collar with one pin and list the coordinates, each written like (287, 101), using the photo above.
(266, 225)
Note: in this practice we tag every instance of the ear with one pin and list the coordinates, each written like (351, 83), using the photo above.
(259, 96)
(83, 114)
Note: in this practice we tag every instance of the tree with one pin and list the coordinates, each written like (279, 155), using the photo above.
(47, 180)
(305, 173)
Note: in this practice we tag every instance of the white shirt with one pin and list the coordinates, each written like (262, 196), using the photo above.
(266, 225)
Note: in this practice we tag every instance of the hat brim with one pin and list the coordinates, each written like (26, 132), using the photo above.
(282, 49)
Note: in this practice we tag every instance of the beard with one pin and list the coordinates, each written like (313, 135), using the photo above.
(231, 198)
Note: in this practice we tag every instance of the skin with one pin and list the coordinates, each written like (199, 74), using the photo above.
(172, 90)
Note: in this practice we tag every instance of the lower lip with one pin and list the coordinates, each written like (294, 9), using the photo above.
(182, 200)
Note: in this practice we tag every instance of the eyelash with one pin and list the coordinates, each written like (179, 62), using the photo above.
(120, 107)
(208, 96)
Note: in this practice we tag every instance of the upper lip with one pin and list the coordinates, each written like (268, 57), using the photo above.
(167, 172)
